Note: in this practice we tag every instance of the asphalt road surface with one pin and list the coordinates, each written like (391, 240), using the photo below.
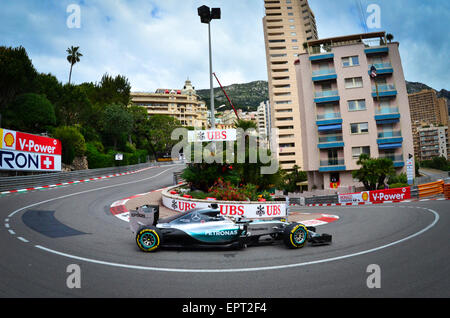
(384, 250)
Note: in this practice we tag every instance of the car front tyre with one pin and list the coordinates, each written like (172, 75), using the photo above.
(295, 235)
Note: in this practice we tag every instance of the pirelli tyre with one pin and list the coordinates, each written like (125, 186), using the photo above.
(295, 235)
(149, 239)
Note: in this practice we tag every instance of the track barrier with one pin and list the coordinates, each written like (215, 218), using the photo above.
(431, 188)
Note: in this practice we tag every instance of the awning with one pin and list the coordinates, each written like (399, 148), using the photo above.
(330, 127)
(389, 146)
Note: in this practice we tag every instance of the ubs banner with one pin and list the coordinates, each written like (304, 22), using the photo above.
(26, 152)
(248, 210)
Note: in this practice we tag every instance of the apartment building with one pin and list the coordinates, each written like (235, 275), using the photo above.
(264, 122)
(287, 25)
(433, 142)
(182, 104)
(426, 110)
(345, 111)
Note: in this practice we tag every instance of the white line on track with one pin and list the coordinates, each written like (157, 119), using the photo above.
(87, 191)
(235, 270)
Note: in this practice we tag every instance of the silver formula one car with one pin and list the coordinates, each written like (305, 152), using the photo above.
(207, 227)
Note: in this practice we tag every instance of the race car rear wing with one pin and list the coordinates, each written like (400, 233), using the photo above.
(145, 215)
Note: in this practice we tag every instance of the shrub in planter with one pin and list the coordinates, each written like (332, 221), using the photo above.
(224, 190)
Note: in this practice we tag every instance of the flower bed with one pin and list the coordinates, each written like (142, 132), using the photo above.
(176, 198)
(225, 191)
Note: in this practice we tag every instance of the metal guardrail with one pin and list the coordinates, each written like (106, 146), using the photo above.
(22, 182)
(322, 199)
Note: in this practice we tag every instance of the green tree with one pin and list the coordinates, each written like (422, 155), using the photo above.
(31, 113)
(17, 74)
(73, 143)
(389, 37)
(116, 122)
(114, 90)
(73, 57)
(48, 85)
(290, 179)
(243, 170)
(73, 106)
(160, 128)
(373, 171)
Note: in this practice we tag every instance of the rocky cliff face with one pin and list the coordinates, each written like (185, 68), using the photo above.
(248, 96)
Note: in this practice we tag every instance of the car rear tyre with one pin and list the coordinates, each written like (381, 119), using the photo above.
(295, 235)
(149, 239)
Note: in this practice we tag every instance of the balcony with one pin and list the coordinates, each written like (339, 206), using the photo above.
(331, 165)
(323, 75)
(330, 141)
(387, 115)
(389, 139)
(321, 56)
(376, 50)
(396, 159)
(329, 121)
(382, 68)
(384, 90)
(326, 96)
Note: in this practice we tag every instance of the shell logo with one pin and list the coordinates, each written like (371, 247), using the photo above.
(365, 196)
(9, 139)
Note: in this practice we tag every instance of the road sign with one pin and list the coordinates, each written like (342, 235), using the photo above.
(410, 171)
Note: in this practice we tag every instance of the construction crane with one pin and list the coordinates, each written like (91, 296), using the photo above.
(237, 116)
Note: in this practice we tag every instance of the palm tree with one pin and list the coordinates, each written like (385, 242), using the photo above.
(73, 57)
(389, 37)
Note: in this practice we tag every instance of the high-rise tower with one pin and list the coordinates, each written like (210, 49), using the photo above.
(287, 25)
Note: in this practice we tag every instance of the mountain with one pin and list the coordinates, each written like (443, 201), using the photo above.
(248, 96)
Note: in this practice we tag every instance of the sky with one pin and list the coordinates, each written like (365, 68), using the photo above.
(161, 43)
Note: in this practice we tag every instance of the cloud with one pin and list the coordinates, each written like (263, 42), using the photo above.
(419, 26)
(158, 44)
(153, 43)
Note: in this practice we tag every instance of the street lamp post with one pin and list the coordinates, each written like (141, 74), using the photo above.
(206, 15)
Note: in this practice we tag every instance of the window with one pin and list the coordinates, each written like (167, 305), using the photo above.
(291, 20)
(357, 151)
(288, 145)
(359, 128)
(293, 33)
(353, 82)
(292, 26)
(354, 105)
(283, 102)
(294, 40)
(350, 61)
(290, 13)
(326, 86)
